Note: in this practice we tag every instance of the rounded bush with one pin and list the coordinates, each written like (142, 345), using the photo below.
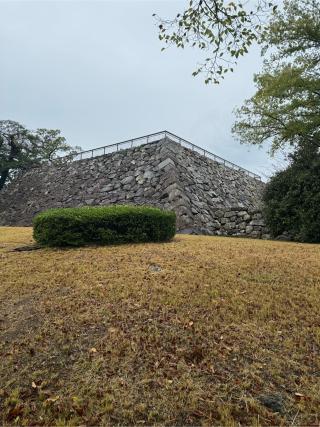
(103, 225)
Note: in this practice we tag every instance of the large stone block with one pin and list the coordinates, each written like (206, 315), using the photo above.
(127, 180)
(257, 222)
(165, 163)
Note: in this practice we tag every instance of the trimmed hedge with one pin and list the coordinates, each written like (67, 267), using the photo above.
(103, 225)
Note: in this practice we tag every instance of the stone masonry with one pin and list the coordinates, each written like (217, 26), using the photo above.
(208, 197)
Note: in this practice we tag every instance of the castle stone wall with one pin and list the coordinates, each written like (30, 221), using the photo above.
(208, 197)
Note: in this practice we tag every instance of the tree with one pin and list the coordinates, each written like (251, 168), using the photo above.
(225, 30)
(285, 110)
(21, 148)
(292, 198)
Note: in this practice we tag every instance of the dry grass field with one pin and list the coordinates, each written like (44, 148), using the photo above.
(199, 331)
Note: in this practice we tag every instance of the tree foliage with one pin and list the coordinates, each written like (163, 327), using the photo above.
(285, 110)
(225, 30)
(21, 148)
(292, 198)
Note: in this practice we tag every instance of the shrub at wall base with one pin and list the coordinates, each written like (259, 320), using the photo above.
(292, 198)
(103, 225)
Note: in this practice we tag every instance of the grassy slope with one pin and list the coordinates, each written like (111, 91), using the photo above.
(101, 335)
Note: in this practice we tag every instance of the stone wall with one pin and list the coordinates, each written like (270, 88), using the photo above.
(233, 222)
(208, 197)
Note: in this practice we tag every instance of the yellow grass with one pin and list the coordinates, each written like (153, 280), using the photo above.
(194, 332)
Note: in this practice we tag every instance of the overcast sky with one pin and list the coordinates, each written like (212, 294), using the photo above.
(95, 70)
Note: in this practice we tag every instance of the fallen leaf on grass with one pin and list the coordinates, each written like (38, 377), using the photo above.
(52, 399)
(300, 396)
(15, 412)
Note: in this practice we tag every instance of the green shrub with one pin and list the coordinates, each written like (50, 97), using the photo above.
(292, 199)
(103, 225)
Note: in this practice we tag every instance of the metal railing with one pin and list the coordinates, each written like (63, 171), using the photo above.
(155, 137)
